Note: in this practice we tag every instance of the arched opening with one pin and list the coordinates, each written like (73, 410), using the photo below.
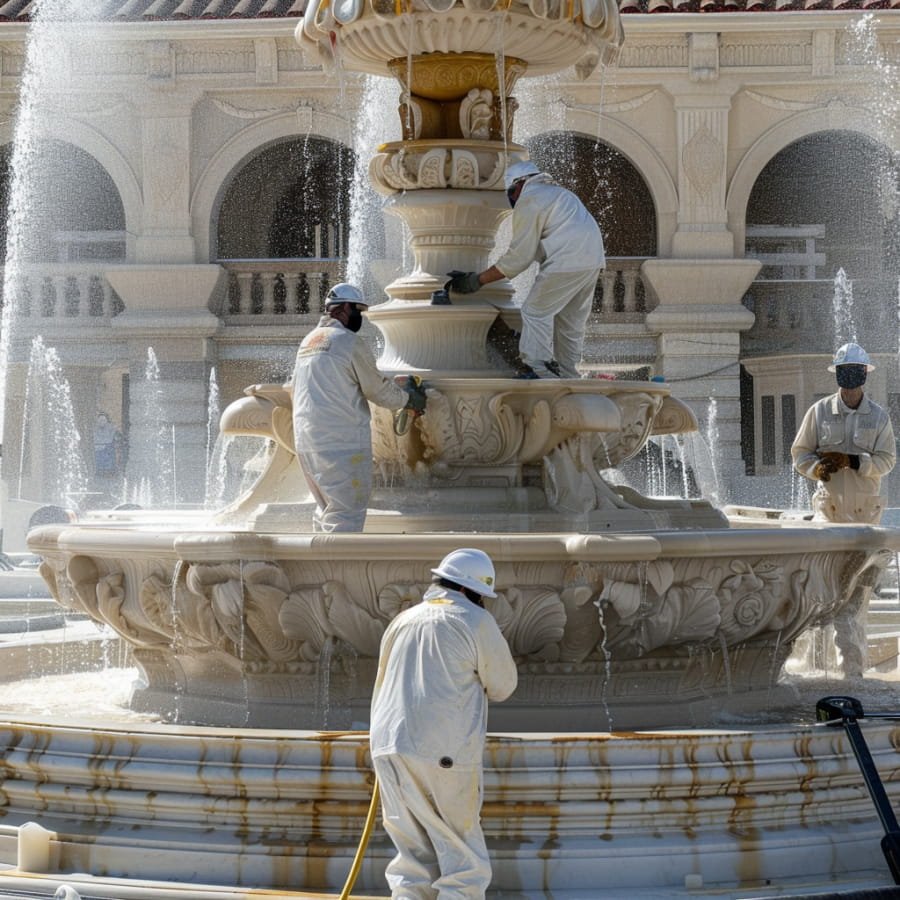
(826, 203)
(70, 210)
(609, 186)
(824, 219)
(290, 201)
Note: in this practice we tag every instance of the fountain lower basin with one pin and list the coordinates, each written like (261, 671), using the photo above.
(610, 631)
(743, 812)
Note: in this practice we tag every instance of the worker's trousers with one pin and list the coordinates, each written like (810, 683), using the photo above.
(340, 482)
(554, 316)
(433, 816)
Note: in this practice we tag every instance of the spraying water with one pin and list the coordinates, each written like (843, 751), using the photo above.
(712, 441)
(842, 307)
(213, 411)
(50, 432)
(366, 223)
(152, 463)
(48, 40)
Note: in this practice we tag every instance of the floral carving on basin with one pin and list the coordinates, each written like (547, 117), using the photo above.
(494, 422)
(214, 618)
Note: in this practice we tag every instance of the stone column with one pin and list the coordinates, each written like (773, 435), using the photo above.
(699, 319)
(699, 316)
(167, 311)
(165, 166)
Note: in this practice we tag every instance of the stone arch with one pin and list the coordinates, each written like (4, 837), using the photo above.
(776, 139)
(299, 191)
(108, 160)
(603, 178)
(645, 159)
(112, 161)
(832, 263)
(215, 177)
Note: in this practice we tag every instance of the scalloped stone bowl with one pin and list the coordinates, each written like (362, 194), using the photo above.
(548, 37)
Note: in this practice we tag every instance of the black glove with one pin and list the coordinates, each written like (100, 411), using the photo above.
(415, 389)
(464, 282)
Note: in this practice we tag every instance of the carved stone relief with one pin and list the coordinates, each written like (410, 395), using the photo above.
(703, 159)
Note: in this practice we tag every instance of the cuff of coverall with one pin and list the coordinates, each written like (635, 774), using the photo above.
(864, 463)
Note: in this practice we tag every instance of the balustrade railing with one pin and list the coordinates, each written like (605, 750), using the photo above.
(798, 316)
(64, 291)
(260, 289)
(270, 289)
(265, 288)
(621, 296)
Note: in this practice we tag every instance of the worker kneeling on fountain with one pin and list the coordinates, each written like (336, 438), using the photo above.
(551, 225)
(335, 378)
(846, 444)
(440, 663)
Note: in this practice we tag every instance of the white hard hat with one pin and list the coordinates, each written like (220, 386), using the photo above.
(517, 171)
(851, 355)
(469, 568)
(344, 293)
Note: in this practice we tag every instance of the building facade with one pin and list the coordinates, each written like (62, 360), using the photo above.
(188, 195)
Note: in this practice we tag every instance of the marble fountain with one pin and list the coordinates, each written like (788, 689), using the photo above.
(634, 621)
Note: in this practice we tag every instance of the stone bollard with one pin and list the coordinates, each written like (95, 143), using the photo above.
(34, 848)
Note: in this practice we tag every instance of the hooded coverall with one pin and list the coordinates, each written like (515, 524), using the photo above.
(440, 663)
(334, 378)
(551, 225)
(851, 495)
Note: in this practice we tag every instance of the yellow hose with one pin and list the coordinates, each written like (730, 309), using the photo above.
(363, 843)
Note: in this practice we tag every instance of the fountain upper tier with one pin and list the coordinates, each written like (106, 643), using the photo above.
(547, 36)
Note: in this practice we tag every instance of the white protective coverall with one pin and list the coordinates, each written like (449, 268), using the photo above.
(851, 495)
(551, 225)
(334, 378)
(440, 663)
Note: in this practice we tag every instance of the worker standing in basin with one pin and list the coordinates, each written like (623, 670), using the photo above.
(335, 378)
(846, 444)
(441, 661)
(552, 226)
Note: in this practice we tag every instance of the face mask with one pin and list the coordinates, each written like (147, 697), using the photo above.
(355, 320)
(850, 376)
(513, 192)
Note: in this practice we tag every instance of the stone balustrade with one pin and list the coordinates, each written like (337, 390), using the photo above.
(798, 315)
(265, 288)
(291, 287)
(621, 296)
(260, 289)
(65, 291)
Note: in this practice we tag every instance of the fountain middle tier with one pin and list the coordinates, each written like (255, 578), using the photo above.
(639, 630)
(553, 435)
